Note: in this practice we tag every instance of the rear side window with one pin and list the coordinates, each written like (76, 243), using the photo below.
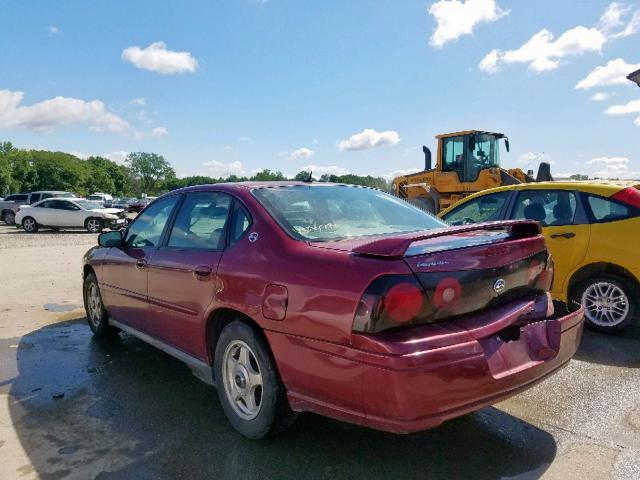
(605, 210)
(146, 230)
(549, 207)
(16, 198)
(35, 197)
(201, 221)
(483, 209)
(240, 223)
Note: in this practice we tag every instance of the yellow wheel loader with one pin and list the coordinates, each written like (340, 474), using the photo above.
(467, 162)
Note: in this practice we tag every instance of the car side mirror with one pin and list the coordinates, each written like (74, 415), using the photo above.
(111, 239)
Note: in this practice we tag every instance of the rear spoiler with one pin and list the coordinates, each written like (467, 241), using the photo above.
(397, 245)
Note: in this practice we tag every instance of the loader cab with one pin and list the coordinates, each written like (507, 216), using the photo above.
(467, 153)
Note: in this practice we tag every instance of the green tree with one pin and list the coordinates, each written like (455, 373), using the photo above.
(302, 176)
(149, 171)
(267, 175)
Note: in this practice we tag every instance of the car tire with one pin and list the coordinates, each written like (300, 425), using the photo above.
(29, 225)
(97, 315)
(610, 302)
(246, 371)
(423, 203)
(10, 218)
(93, 225)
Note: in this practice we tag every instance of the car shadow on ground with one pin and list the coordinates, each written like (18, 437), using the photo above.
(85, 408)
(43, 230)
(615, 349)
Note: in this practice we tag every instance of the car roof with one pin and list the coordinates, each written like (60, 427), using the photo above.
(602, 188)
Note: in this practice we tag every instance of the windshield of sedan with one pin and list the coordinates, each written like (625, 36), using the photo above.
(334, 212)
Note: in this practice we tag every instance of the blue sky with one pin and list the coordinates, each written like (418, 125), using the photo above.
(222, 87)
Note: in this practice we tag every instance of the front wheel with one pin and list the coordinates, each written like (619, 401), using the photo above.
(29, 225)
(96, 313)
(609, 302)
(94, 225)
(249, 387)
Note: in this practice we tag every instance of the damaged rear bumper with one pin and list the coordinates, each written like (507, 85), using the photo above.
(415, 379)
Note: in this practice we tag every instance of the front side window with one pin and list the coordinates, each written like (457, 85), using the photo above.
(486, 208)
(605, 210)
(146, 230)
(549, 207)
(201, 221)
(335, 212)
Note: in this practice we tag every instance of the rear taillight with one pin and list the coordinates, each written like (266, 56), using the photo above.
(391, 301)
(629, 196)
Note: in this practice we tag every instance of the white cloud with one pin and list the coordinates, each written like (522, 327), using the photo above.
(614, 19)
(119, 156)
(301, 154)
(218, 169)
(53, 30)
(140, 101)
(610, 166)
(317, 171)
(632, 107)
(455, 18)
(637, 122)
(159, 132)
(244, 138)
(601, 96)
(315, 141)
(80, 155)
(369, 138)
(613, 73)
(401, 171)
(543, 52)
(48, 114)
(157, 58)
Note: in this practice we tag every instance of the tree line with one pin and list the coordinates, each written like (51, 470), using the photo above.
(23, 170)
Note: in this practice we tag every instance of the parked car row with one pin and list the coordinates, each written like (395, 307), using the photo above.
(334, 299)
(9, 206)
(57, 213)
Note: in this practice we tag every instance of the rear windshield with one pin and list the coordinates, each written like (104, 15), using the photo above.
(334, 212)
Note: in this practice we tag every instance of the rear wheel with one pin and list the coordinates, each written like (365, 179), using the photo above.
(29, 225)
(93, 225)
(609, 302)
(249, 387)
(10, 218)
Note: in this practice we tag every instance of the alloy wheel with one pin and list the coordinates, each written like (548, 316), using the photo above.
(94, 304)
(605, 304)
(242, 380)
(29, 224)
(93, 225)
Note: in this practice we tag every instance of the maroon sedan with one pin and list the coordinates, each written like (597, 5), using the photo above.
(332, 299)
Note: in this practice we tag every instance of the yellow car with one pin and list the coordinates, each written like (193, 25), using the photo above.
(593, 232)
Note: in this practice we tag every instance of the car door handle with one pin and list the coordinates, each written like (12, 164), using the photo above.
(202, 272)
(563, 235)
(141, 263)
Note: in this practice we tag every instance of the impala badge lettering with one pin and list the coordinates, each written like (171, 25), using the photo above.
(431, 264)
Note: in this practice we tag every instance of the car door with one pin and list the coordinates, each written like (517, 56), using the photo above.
(182, 273)
(485, 208)
(43, 212)
(565, 227)
(124, 271)
(63, 213)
